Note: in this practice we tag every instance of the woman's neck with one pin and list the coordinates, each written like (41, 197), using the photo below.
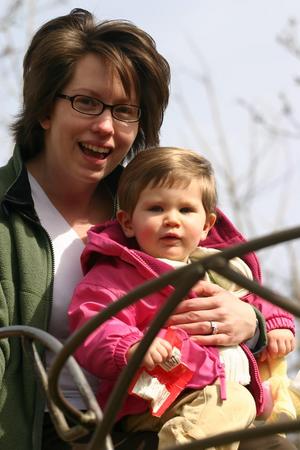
(82, 205)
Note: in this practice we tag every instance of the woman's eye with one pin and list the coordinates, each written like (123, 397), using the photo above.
(123, 109)
(87, 104)
(86, 101)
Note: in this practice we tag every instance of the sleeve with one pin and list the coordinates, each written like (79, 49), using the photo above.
(259, 341)
(103, 353)
(275, 317)
(4, 343)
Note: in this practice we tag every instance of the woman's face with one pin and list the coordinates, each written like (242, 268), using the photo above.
(83, 148)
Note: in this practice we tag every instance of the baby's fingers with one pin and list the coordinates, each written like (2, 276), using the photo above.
(278, 348)
(159, 351)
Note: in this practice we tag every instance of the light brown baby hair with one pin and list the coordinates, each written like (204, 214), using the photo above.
(166, 166)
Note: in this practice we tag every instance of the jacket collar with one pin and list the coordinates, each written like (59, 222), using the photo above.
(15, 193)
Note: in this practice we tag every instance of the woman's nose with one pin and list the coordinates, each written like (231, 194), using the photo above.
(104, 123)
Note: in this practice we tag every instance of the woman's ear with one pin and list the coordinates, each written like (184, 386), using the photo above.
(210, 221)
(45, 123)
(124, 220)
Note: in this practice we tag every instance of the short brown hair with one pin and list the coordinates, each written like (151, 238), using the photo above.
(50, 61)
(166, 166)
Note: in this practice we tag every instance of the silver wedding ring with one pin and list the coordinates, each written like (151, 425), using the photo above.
(214, 327)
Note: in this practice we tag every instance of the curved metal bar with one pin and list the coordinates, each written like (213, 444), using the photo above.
(183, 280)
(259, 243)
(263, 291)
(89, 419)
(217, 262)
(232, 436)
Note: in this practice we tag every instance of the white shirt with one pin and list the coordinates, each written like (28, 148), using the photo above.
(67, 248)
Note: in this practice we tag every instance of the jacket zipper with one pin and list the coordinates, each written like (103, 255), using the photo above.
(37, 428)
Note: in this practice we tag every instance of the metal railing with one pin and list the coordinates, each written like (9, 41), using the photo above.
(98, 425)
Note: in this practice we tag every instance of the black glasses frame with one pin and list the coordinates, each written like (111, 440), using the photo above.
(104, 107)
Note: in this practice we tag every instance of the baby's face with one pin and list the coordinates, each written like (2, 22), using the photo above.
(169, 222)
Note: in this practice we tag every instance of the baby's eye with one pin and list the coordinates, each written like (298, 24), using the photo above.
(155, 208)
(186, 210)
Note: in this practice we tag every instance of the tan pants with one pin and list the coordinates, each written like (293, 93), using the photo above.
(199, 414)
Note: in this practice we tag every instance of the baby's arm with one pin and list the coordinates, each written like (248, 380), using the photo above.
(159, 351)
(281, 341)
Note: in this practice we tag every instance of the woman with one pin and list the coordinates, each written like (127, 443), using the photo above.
(92, 94)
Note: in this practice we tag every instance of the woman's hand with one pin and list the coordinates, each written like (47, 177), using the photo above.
(235, 320)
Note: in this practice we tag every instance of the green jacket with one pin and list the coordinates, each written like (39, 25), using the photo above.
(26, 285)
(26, 274)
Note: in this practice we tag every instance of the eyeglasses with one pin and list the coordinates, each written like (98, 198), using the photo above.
(93, 107)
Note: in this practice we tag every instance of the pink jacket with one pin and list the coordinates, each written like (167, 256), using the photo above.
(113, 266)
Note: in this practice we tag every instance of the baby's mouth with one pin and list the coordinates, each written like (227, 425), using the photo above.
(171, 238)
(94, 151)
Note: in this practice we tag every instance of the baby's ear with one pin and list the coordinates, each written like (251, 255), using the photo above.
(124, 220)
(210, 221)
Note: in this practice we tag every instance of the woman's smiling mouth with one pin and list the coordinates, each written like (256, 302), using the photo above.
(94, 151)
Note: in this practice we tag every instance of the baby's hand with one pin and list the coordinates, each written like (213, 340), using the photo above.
(159, 351)
(280, 343)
